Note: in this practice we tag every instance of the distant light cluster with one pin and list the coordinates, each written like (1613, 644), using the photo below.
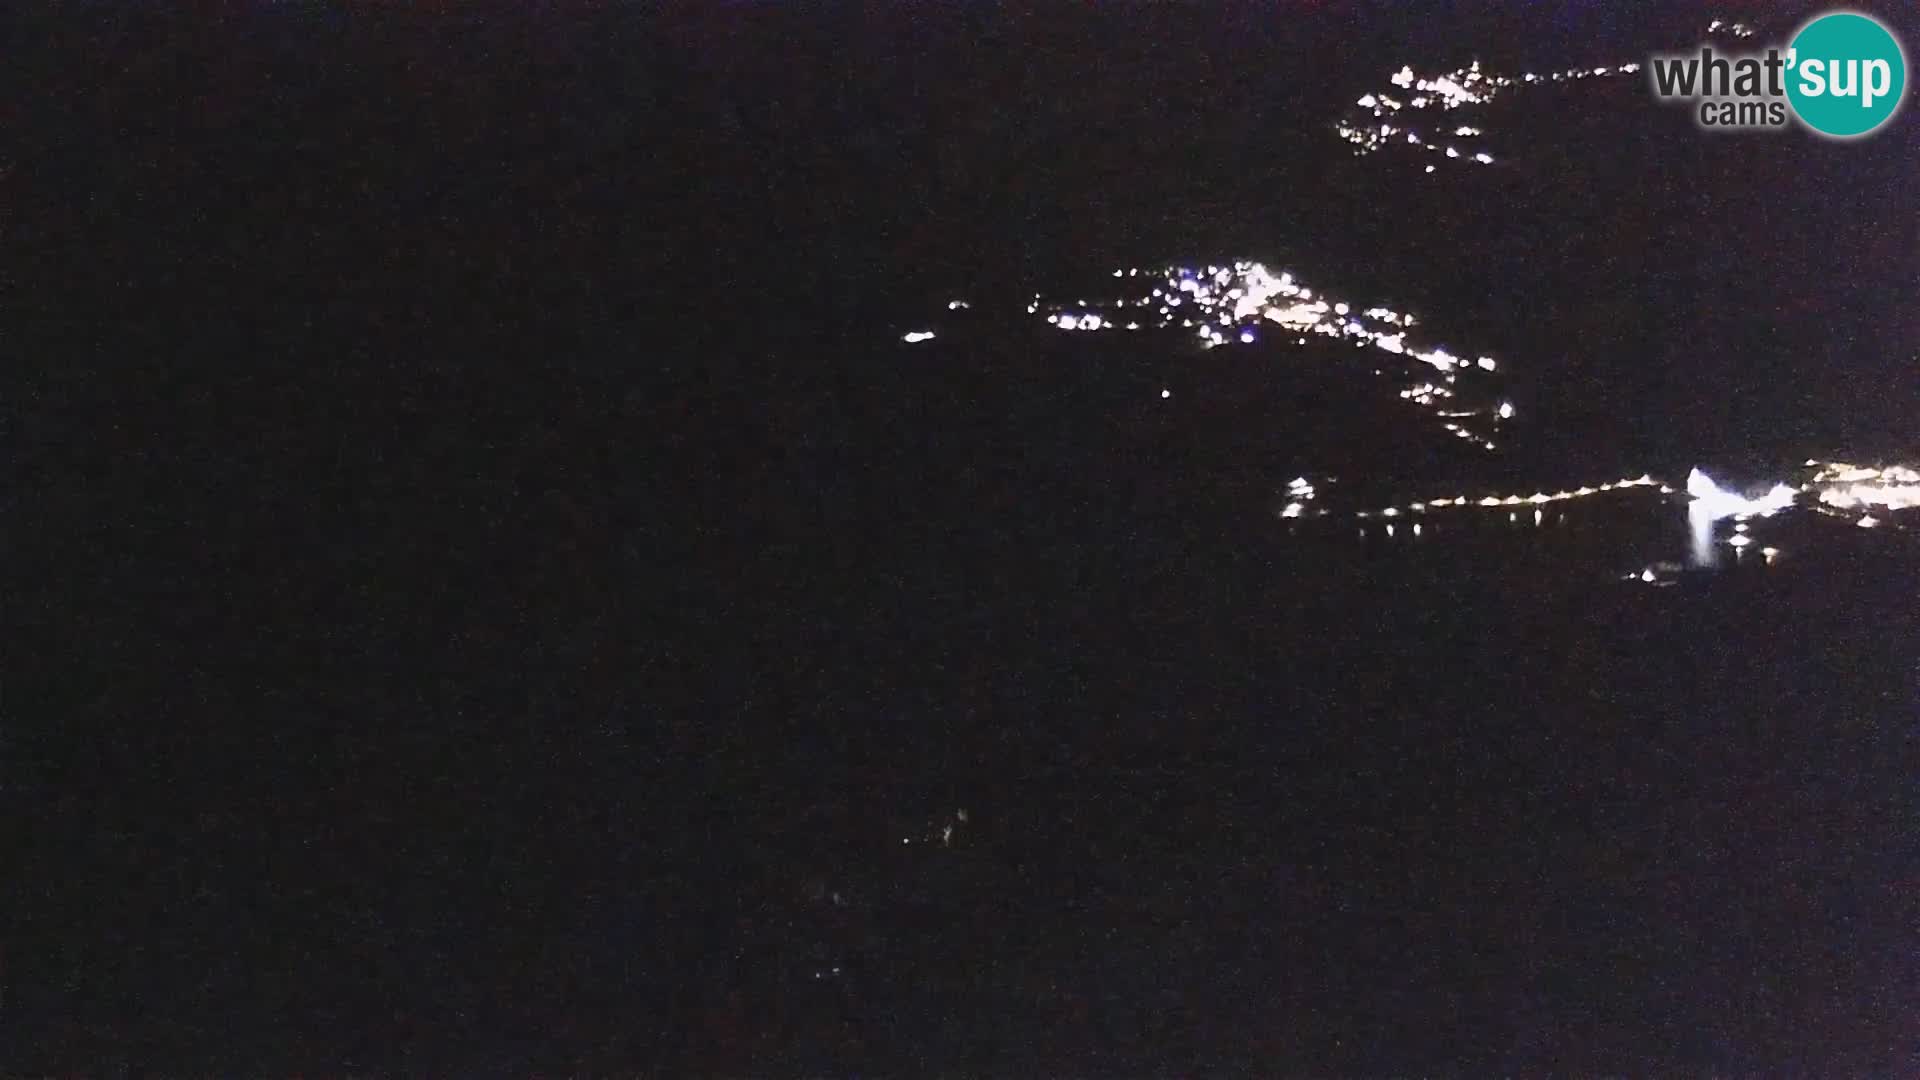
(1236, 302)
(1385, 119)
(1425, 393)
(1382, 119)
(1300, 492)
(1240, 301)
(1878, 495)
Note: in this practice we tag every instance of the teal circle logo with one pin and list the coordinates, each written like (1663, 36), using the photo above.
(1846, 75)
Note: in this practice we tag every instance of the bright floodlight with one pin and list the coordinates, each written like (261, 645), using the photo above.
(1718, 504)
(918, 336)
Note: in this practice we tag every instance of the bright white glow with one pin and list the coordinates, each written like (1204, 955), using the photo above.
(1710, 504)
(917, 337)
(1893, 498)
(1506, 410)
(1849, 487)
(1700, 531)
(1165, 394)
(1724, 504)
(957, 305)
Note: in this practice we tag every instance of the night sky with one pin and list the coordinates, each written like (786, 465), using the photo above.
(496, 593)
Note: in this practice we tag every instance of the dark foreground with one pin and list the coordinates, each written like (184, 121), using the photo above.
(501, 601)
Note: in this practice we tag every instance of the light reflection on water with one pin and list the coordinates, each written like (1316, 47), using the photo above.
(1700, 526)
(1631, 533)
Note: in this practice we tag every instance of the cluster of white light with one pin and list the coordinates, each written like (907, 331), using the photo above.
(1223, 303)
(1372, 137)
(1739, 30)
(1850, 487)
(1425, 393)
(1079, 322)
(1845, 489)
(1714, 503)
(1450, 91)
(917, 336)
(1381, 126)
(958, 305)
(1300, 492)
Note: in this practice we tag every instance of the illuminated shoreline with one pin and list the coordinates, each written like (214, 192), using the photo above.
(1245, 301)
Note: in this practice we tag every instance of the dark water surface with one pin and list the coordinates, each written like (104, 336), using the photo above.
(500, 594)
